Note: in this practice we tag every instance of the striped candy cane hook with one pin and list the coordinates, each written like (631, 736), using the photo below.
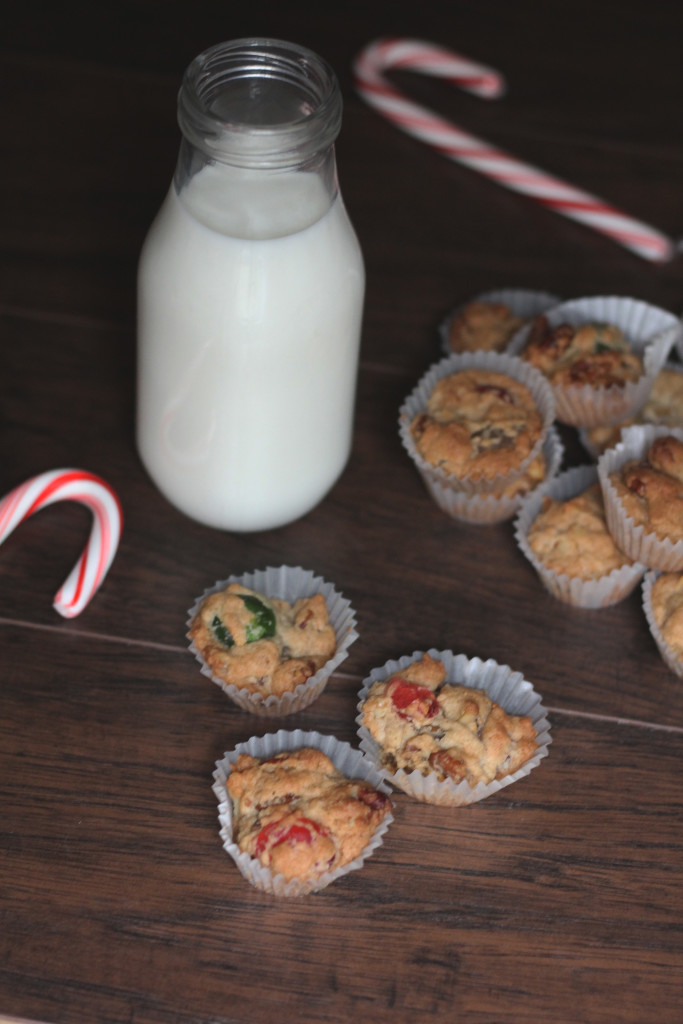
(461, 147)
(71, 485)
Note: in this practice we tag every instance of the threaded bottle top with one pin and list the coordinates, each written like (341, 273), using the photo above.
(259, 103)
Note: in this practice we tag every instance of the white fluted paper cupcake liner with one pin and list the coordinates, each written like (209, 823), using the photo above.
(506, 687)
(487, 509)
(522, 302)
(653, 551)
(673, 418)
(496, 362)
(674, 662)
(352, 763)
(286, 583)
(597, 593)
(651, 333)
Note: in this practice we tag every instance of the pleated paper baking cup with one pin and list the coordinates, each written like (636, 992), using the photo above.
(487, 509)
(351, 763)
(285, 583)
(594, 593)
(521, 302)
(496, 362)
(664, 407)
(669, 655)
(651, 333)
(509, 689)
(653, 551)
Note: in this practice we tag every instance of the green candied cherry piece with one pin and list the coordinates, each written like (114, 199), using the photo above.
(263, 621)
(605, 341)
(221, 632)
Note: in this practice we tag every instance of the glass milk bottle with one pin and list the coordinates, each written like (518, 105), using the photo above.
(250, 294)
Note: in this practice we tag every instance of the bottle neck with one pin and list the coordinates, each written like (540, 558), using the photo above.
(253, 203)
(260, 104)
(259, 119)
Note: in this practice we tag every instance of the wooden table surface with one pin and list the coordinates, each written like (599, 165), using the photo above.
(559, 899)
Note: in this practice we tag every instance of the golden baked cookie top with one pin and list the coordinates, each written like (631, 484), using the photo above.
(299, 815)
(664, 406)
(478, 424)
(594, 353)
(263, 644)
(651, 489)
(666, 598)
(571, 537)
(422, 723)
(483, 326)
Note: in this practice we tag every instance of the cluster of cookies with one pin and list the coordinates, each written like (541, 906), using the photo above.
(444, 729)
(591, 533)
(297, 811)
(602, 529)
(479, 425)
(601, 355)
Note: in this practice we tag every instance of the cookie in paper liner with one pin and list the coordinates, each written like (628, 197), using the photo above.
(504, 686)
(497, 315)
(649, 548)
(597, 592)
(350, 762)
(527, 380)
(673, 656)
(650, 331)
(284, 583)
(487, 509)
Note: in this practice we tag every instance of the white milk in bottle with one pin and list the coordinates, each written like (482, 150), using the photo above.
(250, 296)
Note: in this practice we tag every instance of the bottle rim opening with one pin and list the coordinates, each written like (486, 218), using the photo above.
(259, 102)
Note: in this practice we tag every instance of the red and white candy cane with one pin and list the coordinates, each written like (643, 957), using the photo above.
(71, 485)
(460, 146)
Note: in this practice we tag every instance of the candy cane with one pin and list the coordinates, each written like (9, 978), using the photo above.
(457, 145)
(71, 485)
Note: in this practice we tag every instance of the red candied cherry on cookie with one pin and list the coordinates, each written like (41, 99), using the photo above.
(303, 830)
(412, 700)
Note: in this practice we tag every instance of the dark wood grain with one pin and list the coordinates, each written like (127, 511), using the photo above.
(121, 896)
(559, 898)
